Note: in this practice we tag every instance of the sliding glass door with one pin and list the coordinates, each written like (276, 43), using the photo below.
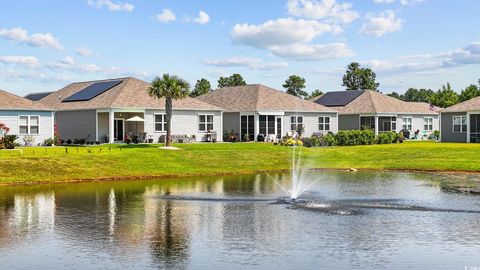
(475, 128)
(247, 126)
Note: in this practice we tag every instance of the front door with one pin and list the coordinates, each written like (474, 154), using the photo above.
(119, 130)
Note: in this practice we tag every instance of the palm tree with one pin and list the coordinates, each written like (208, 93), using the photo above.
(169, 87)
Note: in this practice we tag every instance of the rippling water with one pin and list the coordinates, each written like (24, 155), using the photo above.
(347, 220)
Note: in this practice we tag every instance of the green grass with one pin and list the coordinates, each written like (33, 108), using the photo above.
(54, 164)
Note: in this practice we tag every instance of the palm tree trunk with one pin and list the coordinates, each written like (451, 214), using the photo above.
(168, 115)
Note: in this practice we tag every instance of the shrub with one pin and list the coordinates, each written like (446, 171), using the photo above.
(308, 142)
(387, 137)
(8, 141)
(355, 137)
(330, 140)
(435, 135)
(49, 142)
(69, 141)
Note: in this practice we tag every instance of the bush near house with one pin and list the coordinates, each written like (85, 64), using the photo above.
(352, 137)
(6, 141)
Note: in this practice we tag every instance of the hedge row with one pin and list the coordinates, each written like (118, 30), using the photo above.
(353, 137)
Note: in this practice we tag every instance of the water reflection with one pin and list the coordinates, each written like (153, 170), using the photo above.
(129, 225)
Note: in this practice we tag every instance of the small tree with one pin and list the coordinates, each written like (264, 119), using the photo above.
(315, 93)
(470, 92)
(201, 87)
(445, 97)
(234, 80)
(295, 85)
(358, 78)
(169, 87)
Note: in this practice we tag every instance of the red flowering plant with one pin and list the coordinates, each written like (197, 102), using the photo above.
(6, 141)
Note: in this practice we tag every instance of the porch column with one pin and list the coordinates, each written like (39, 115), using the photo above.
(376, 124)
(111, 126)
(256, 120)
(468, 127)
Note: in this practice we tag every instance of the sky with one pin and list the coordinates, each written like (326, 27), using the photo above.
(45, 45)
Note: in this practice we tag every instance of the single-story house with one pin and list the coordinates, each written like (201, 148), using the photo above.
(256, 109)
(461, 122)
(366, 109)
(110, 110)
(32, 122)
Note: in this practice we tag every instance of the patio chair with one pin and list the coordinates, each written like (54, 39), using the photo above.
(142, 137)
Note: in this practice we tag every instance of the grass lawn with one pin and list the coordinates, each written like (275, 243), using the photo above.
(52, 164)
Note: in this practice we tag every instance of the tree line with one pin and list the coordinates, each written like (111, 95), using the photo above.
(443, 97)
(356, 77)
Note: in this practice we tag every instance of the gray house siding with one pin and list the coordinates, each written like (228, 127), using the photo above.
(102, 126)
(184, 123)
(348, 122)
(446, 132)
(76, 124)
(231, 121)
(10, 118)
(310, 122)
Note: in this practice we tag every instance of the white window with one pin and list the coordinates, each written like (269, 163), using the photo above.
(428, 123)
(29, 124)
(160, 122)
(407, 123)
(296, 122)
(459, 124)
(205, 122)
(324, 123)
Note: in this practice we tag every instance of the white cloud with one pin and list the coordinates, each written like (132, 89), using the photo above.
(249, 62)
(290, 38)
(307, 52)
(328, 10)
(166, 16)
(26, 61)
(112, 6)
(385, 22)
(68, 60)
(40, 40)
(467, 55)
(402, 2)
(83, 51)
(203, 18)
(283, 31)
(68, 63)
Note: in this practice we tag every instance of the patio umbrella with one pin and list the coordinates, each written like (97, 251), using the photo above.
(135, 119)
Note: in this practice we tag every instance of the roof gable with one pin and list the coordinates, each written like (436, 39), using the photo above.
(257, 97)
(468, 105)
(367, 101)
(130, 93)
(9, 101)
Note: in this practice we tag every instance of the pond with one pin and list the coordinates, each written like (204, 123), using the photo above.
(369, 220)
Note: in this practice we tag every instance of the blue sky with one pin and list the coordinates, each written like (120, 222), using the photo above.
(45, 45)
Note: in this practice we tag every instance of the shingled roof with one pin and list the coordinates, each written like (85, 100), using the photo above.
(9, 101)
(374, 102)
(130, 93)
(257, 97)
(469, 105)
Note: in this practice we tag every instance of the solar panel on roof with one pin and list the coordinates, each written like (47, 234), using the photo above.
(342, 98)
(37, 96)
(92, 91)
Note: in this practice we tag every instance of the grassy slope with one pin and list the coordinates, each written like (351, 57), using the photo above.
(53, 164)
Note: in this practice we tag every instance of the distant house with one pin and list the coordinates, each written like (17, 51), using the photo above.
(461, 122)
(257, 109)
(367, 109)
(26, 118)
(101, 110)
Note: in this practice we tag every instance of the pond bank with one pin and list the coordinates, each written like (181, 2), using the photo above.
(41, 165)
